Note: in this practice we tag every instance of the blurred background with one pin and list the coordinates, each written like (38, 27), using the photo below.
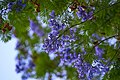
(7, 61)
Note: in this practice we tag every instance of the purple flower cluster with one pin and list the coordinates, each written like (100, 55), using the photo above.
(85, 69)
(17, 5)
(52, 43)
(21, 66)
(99, 52)
(83, 14)
(35, 28)
(24, 63)
(26, 67)
(55, 42)
(54, 24)
(62, 45)
(81, 66)
(89, 71)
(67, 56)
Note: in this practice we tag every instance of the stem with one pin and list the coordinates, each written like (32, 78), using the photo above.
(99, 43)
(105, 40)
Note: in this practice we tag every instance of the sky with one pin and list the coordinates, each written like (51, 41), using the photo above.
(7, 61)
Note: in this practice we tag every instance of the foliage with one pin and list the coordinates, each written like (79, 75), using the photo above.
(70, 39)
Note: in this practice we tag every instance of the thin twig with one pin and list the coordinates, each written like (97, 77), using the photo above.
(101, 42)
(105, 40)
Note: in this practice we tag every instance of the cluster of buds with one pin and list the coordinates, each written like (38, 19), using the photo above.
(6, 27)
(37, 6)
(74, 5)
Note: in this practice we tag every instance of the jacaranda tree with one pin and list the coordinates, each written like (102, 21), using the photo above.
(70, 39)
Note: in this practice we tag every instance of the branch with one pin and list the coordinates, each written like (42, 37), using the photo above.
(105, 40)
(101, 42)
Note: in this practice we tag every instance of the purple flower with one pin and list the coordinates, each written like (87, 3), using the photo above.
(39, 32)
(52, 14)
(99, 52)
(35, 28)
(66, 37)
(96, 36)
(84, 19)
(10, 5)
(19, 68)
(81, 13)
(24, 77)
(92, 72)
(20, 4)
(90, 15)
(52, 22)
(23, 6)
(18, 45)
(31, 64)
(33, 25)
(51, 44)
(78, 14)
